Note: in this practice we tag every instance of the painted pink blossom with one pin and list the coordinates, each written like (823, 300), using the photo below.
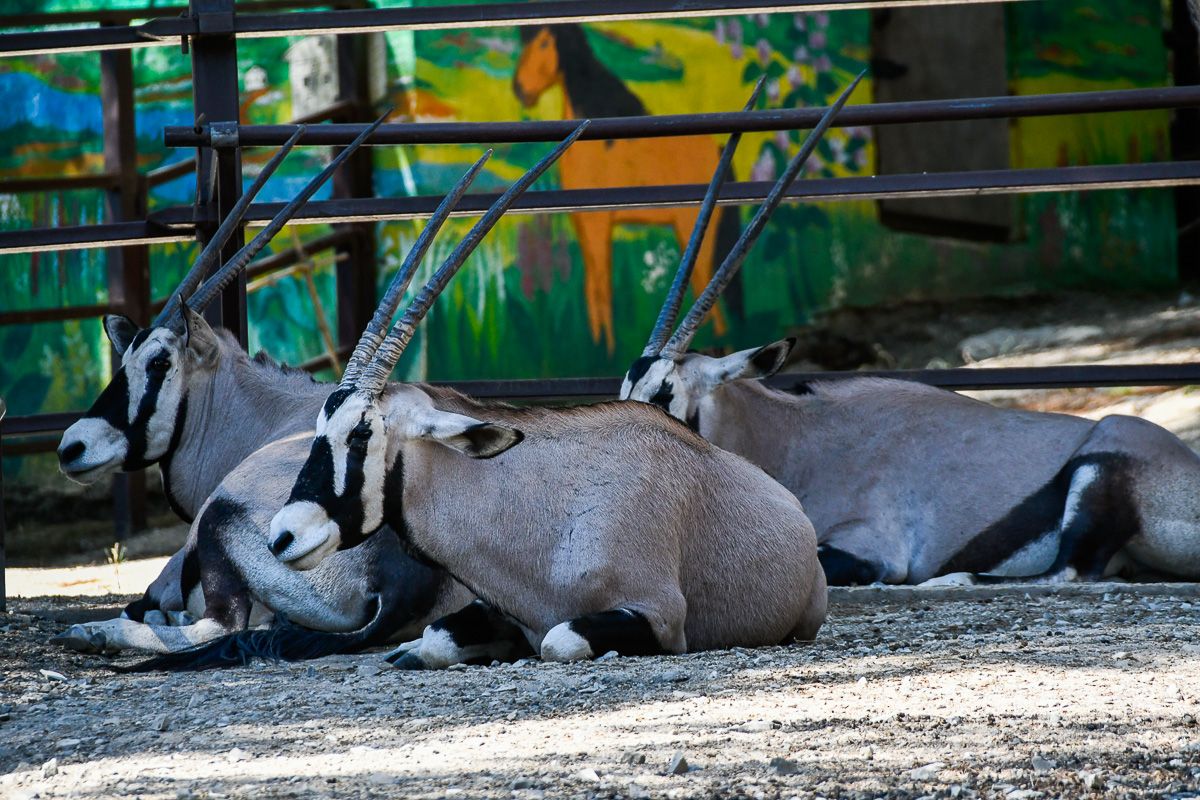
(773, 90)
(817, 40)
(794, 77)
(782, 141)
(764, 168)
(764, 51)
(823, 64)
(800, 21)
(719, 31)
(735, 30)
(800, 54)
(822, 19)
(736, 50)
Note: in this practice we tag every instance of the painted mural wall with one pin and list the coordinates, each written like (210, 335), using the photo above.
(567, 295)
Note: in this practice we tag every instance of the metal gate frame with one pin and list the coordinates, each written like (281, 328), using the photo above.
(209, 30)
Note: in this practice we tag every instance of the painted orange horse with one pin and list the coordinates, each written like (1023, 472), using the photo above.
(560, 55)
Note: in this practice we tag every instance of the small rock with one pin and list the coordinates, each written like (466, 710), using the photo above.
(609, 656)
(867, 753)
(784, 766)
(861, 682)
(50, 768)
(588, 775)
(678, 765)
(67, 744)
(1092, 781)
(756, 726)
(1042, 764)
(160, 723)
(674, 676)
(524, 783)
(633, 757)
(51, 675)
(369, 670)
(927, 772)
(1023, 794)
(237, 754)
(311, 672)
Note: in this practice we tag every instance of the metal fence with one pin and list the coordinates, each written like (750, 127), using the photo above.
(209, 29)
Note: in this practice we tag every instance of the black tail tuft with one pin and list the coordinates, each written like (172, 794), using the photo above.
(729, 228)
(283, 641)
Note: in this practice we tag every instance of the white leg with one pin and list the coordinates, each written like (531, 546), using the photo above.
(114, 635)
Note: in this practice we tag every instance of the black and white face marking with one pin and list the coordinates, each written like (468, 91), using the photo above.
(133, 422)
(337, 500)
(680, 386)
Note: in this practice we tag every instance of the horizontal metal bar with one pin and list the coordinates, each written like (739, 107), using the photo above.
(124, 16)
(35, 315)
(692, 124)
(168, 30)
(938, 184)
(39, 423)
(176, 224)
(81, 237)
(290, 257)
(961, 378)
(1059, 377)
(170, 172)
(58, 183)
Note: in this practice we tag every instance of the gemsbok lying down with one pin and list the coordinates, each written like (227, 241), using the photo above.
(240, 509)
(905, 482)
(190, 399)
(598, 528)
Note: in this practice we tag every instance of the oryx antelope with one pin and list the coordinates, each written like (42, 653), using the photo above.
(259, 486)
(190, 399)
(905, 482)
(594, 528)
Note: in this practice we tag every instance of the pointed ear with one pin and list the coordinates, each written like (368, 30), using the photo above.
(120, 330)
(198, 334)
(766, 360)
(466, 434)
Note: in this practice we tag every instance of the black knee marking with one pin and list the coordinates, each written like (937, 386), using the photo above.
(628, 632)
(844, 569)
(226, 595)
(136, 610)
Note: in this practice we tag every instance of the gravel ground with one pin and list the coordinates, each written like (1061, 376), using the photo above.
(1020, 693)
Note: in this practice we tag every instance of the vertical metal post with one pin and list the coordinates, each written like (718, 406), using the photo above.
(356, 264)
(215, 95)
(1185, 139)
(128, 267)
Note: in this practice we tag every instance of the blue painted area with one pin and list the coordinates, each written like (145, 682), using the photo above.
(24, 98)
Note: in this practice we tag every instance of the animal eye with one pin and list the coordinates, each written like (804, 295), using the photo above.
(159, 364)
(359, 435)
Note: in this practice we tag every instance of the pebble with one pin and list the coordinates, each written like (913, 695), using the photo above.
(160, 723)
(678, 765)
(50, 674)
(588, 775)
(523, 783)
(633, 757)
(1023, 794)
(609, 656)
(674, 676)
(927, 772)
(1040, 764)
(784, 766)
(237, 754)
(756, 726)
(50, 768)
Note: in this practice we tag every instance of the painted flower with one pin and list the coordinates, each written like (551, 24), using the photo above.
(736, 50)
(719, 31)
(800, 55)
(764, 51)
(795, 78)
(817, 40)
(823, 64)
(860, 158)
(822, 19)
(773, 90)
(800, 21)
(782, 140)
(764, 168)
(735, 30)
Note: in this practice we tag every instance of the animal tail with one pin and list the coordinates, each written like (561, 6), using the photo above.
(729, 228)
(283, 641)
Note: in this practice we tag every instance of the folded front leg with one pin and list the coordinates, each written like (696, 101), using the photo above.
(477, 634)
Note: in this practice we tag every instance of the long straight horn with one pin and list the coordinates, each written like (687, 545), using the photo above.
(733, 261)
(670, 309)
(213, 286)
(376, 374)
(212, 251)
(377, 328)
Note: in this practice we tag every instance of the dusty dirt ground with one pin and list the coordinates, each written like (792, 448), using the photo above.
(1018, 693)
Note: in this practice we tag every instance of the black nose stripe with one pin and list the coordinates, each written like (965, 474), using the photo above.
(282, 542)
